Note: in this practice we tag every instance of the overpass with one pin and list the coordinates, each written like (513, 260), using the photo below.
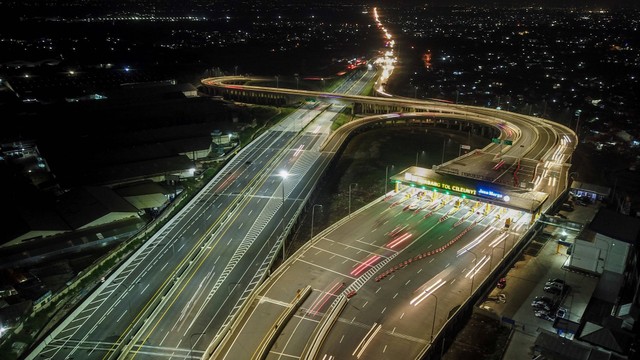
(531, 147)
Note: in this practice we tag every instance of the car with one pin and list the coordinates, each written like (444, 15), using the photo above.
(542, 302)
(543, 314)
(550, 282)
(541, 306)
(557, 289)
(543, 299)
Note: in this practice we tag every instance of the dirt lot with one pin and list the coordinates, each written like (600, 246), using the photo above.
(482, 338)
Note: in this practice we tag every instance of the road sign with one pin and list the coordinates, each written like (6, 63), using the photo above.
(495, 140)
(466, 147)
(508, 142)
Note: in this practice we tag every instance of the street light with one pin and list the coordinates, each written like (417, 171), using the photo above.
(578, 112)
(356, 184)
(435, 309)
(415, 92)
(277, 78)
(444, 144)
(417, 156)
(283, 174)
(494, 248)
(475, 258)
(386, 178)
(191, 342)
(313, 214)
(297, 79)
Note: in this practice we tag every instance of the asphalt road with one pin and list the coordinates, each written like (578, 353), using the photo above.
(352, 254)
(175, 294)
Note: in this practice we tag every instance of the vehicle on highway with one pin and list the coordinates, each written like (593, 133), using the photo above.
(413, 206)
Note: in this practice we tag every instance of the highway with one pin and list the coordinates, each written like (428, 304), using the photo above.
(176, 292)
(388, 318)
(180, 291)
(346, 258)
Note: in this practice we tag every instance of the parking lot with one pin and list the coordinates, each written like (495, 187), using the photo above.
(544, 260)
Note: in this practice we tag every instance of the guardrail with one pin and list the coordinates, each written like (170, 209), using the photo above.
(320, 332)
(268, 341)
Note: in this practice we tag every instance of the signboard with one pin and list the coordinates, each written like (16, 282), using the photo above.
(495, 140)
(465, 147)
(492, 194)
(507, 142)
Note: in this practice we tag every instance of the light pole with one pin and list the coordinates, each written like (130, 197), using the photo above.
(415, 92)
(494, 248)
(578, 112)
(283, 174)
(356, 184)
(313, 214)
(297, 82)
(435, 309)
(444, 144)
(386, 178)
(475, 258)
(418, 156)
(277, 78)
(191, 342)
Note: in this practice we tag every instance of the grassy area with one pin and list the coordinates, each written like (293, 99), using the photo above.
(340, 120)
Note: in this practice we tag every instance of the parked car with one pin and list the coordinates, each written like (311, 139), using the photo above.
(557, 289)
(550, 282)
(543, 314)
(542, 302)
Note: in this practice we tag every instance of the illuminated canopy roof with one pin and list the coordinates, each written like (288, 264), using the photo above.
(525, 200)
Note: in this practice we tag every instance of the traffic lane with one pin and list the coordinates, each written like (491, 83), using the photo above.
(257, 200)
(389, 304)
(156, 257)
(316, 273)
(239, 226)
(202, 202)
(288, 344)
(194, 292)
(299, 338)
